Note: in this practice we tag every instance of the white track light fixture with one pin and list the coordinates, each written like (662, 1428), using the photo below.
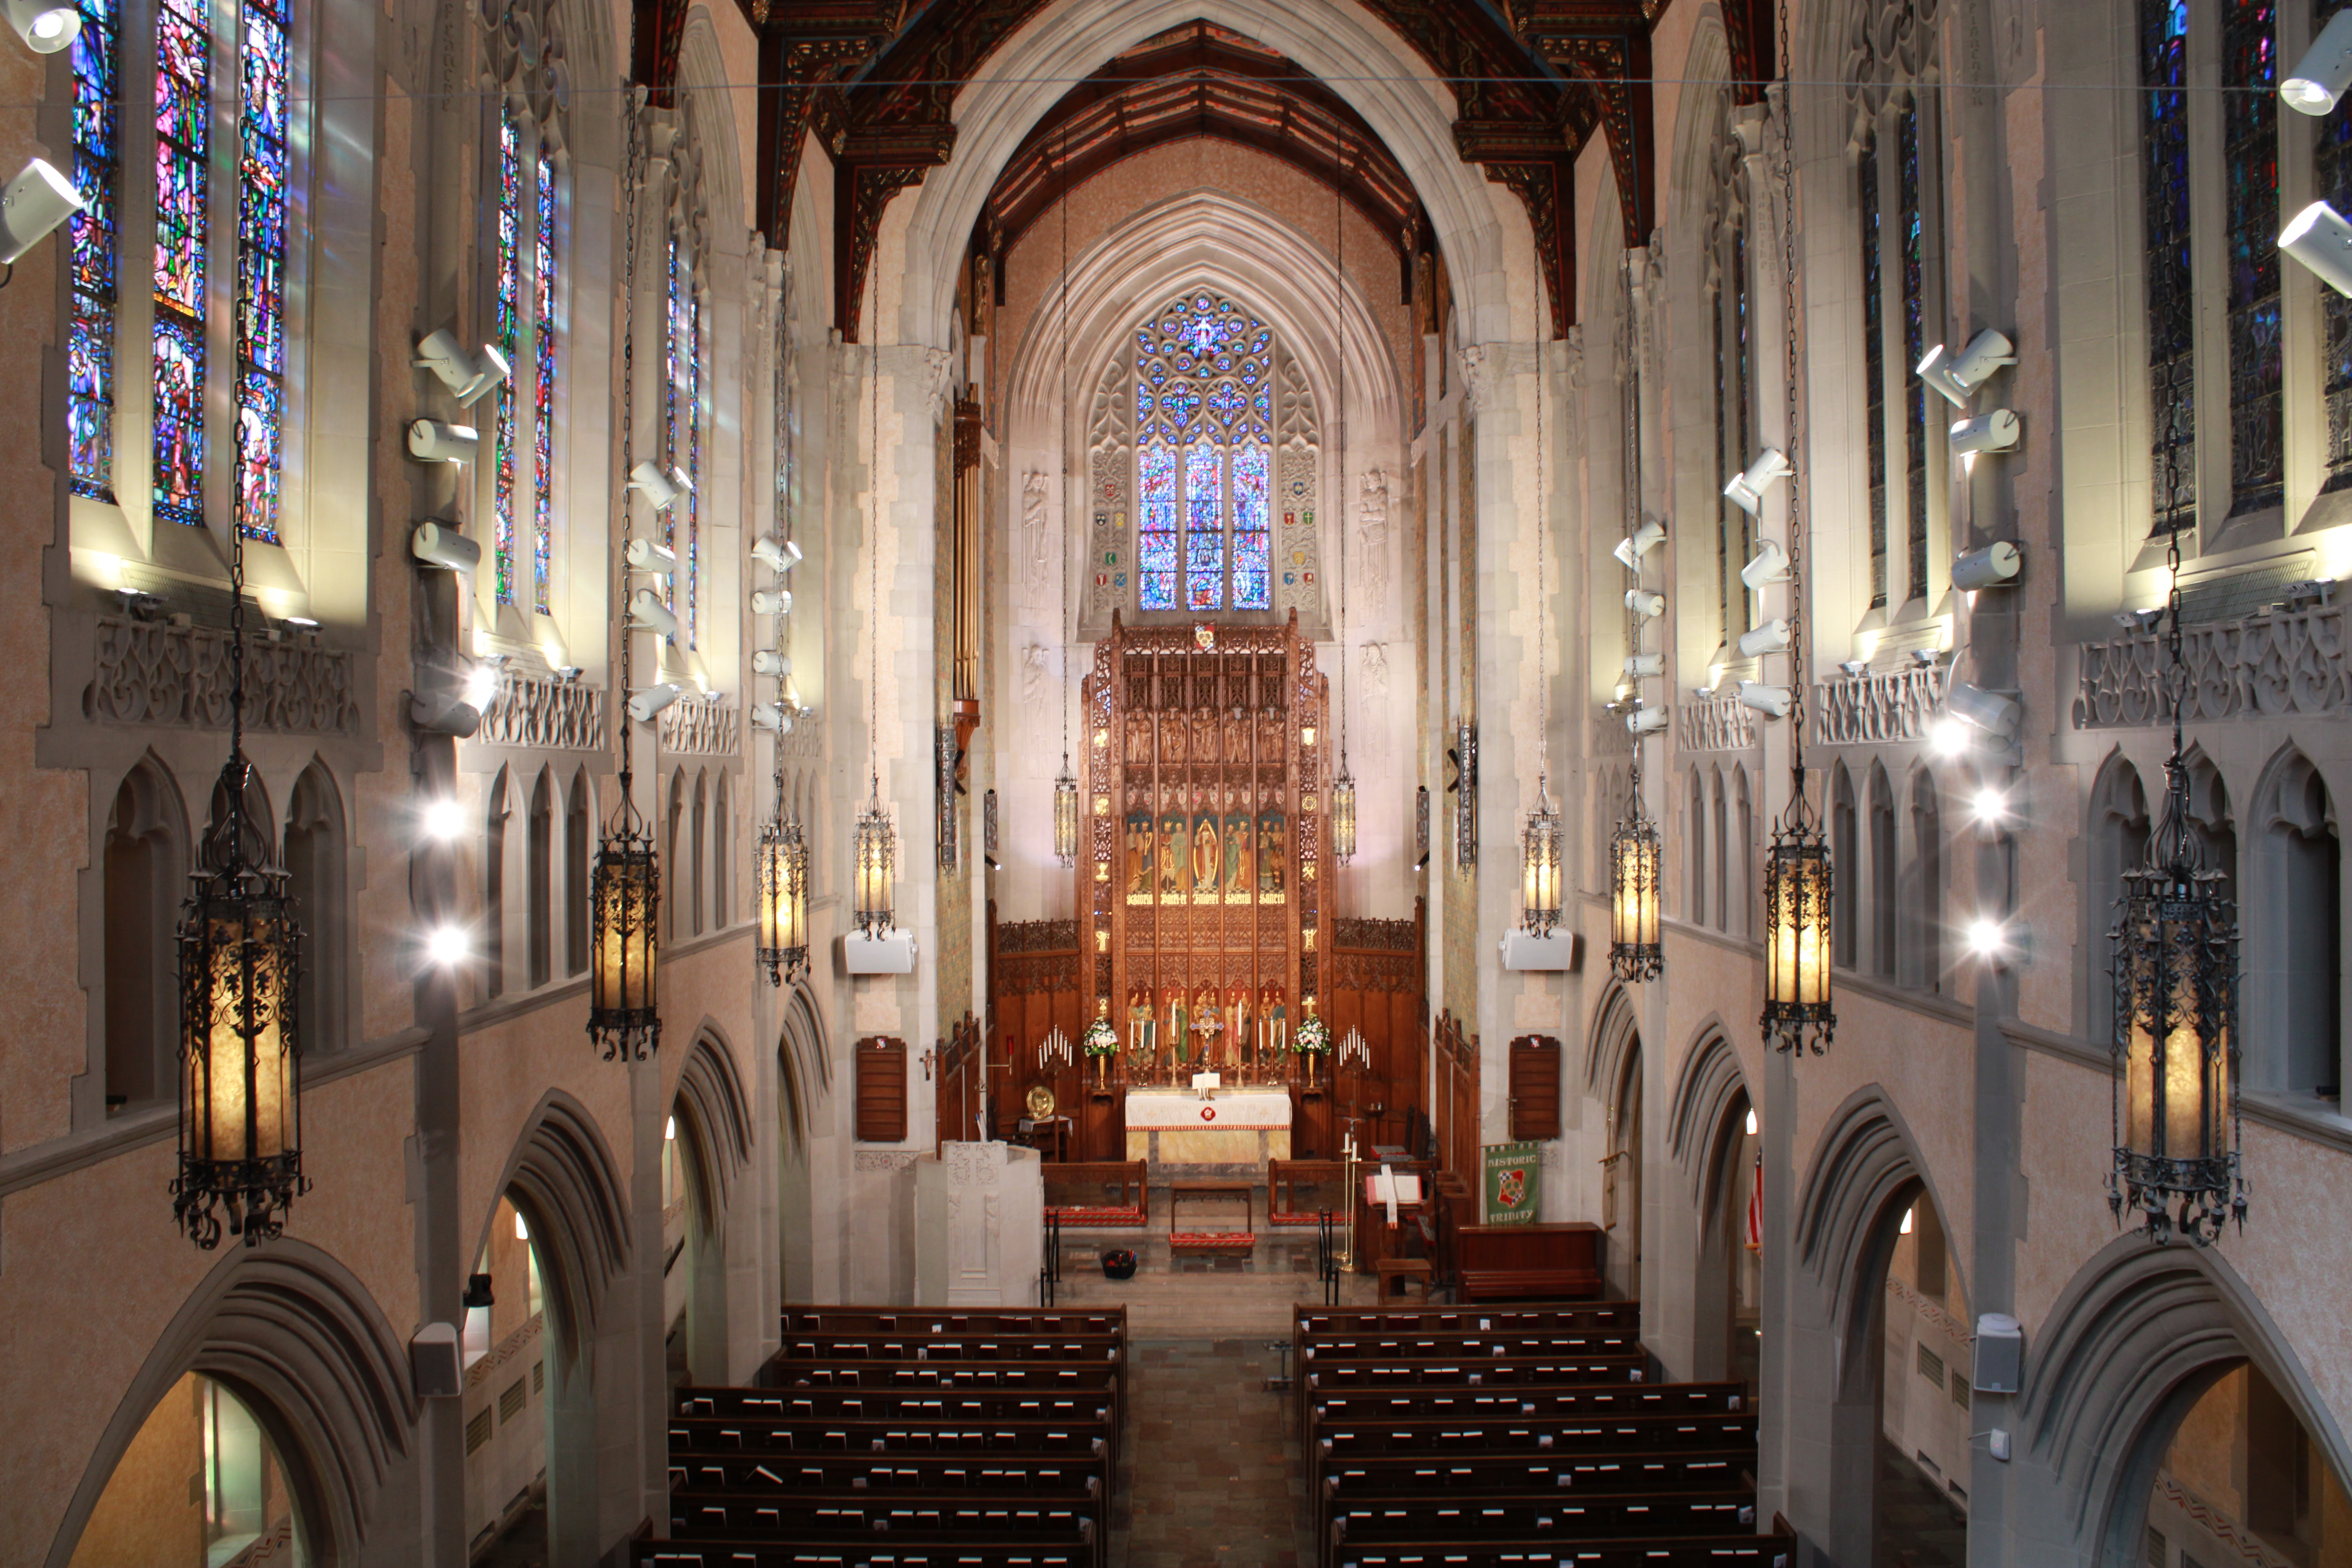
(779, 558)
(1641, 666)
(647, 609)
(2322, 240)
(1771, 565)
(1995, 432)
(661, 490)
(31, 205)
(1746, 490)
(1958, 376)
(771, 602)
(1772, 636)
(772, 715)
(1646, 603)
(767, 661)
(1994, 566)
(1640, 542)
(644, 704)
(1990, 711)
(45, 28)
(1773, 701)
(653, 560)
(438, 543)
(436, 441)
(2319, 78)
(1646, 720)
(468, 376)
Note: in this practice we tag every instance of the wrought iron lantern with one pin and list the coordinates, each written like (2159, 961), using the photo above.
(1799, 884)
(1635, 951)
(2176, 1045)
(241, 1080)
(1066, 809)
(1540, 865)
(783, 898)
(1343, 814)
(878, 862)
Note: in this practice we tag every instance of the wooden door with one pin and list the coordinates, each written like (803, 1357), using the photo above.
(881, 1090)
(1535, 1088)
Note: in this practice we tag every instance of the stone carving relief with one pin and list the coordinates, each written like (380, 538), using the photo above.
(1036, 554)
(1376, 669)
(1477, 379)
(1715, 725)
(152, 672)
(884, 1159)
(555, 715)
(939, 381)
(1878, 705)
(1105, 504)
(701, 726)
(2285, 661)
(1037, 680)
(1372, 535)
(1297, 563)
(523, 55)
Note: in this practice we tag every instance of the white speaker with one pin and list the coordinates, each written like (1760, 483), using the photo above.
(433, 1363)
(891, 955)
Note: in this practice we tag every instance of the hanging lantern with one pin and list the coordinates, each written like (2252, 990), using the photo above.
(1343, 814)
(878, 860)
(2176, 1045)
(624, 902)
(1798, 887)
(240, 1080)
(1634, 950)
(1066, 814)
(1540, 865)
(783, 899)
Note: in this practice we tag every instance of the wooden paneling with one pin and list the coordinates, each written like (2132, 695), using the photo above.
(1034, 977)
(881, 1090)
(1377, 973)
(1456, 1112)
(1535, 1088)
(959, 1068)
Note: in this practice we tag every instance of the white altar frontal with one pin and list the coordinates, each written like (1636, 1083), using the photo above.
(1229, 1127)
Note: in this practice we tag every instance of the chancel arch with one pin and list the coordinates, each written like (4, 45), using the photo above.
(1713, 1138)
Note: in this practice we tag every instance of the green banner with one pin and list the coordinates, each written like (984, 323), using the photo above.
(1514, 1182)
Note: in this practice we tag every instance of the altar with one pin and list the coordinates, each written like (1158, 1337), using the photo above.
(1232, 1127)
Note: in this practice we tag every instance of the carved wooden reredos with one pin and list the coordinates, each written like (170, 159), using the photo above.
(1206, 757)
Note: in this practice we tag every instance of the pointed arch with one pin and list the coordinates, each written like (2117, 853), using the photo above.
(1710, 1088)
(719, 1116)
(1866, 1161)
(146, 859)
(318, 881)
(562, 1177)
(2131, 1343)
(1612, 1042)
(2293, 1002)
(296, 1336)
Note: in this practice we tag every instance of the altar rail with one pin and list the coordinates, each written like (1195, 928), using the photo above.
(1097, 1191)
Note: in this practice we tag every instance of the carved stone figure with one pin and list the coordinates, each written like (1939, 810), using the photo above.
(1372, 535)
(1036, 558)
(1036, 679)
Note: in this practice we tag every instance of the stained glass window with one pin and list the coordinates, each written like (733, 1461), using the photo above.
(2164, 214)
(543, 393)
(1204, 406)
(1912, 234)
(1734, 531)
(1252, 529)
(261, 194)
(692, 564)
(183, 88)
(1743, 424)
(673, 377)
(1155, 552)
(1874, 371)
(507, 225)
(2250, 187)
(89, 346)
(2331, 169)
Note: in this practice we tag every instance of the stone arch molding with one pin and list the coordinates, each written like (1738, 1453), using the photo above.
(2137, 1334)
(298, 1335)
(1486, 243)
(1865, 1158)
(1615, 1036)
(1711, 1082)
(720, 1115)
(804, 1053)
(564, 1180)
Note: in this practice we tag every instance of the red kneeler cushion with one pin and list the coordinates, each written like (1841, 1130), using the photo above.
(1084, 1215)
(1207, 1240)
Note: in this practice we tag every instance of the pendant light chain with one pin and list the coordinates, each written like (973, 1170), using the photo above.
(1633, 415)
(1343, 787)
(1798, 677)
(631, 177)
(1635, 950)
(1065, 783)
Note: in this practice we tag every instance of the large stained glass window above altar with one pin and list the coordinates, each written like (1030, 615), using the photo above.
(1208, 426)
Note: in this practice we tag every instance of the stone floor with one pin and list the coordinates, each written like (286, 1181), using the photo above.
(1215, 1478)
(1919, 1526)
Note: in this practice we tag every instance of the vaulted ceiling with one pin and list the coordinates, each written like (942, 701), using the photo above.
(1533, 80)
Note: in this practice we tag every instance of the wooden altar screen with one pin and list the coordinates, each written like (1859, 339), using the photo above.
(1034, 973)
(1206, 758)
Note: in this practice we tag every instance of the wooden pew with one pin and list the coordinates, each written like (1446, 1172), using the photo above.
(1585, 1315)
(954, 1408)
(872, 1525)
(1326, 1349)
(882, 1553)
(829, 1346)
(1503, 1262)
(1480, 1404)
(1588, 1435)
(1517, 1371)
(691, 1436)
(1097, 1192)
(956, 1321)
(1404, 1475)
(1779, 1550)
(840, 1471)
(1565, 1514)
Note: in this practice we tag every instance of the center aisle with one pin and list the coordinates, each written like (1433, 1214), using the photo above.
(1215, 1476)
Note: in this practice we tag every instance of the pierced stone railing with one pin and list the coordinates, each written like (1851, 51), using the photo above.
(2282, 661)
(701, 727)
(1878, 705)
(1714, 724)
(556, 715)
(154, 672)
